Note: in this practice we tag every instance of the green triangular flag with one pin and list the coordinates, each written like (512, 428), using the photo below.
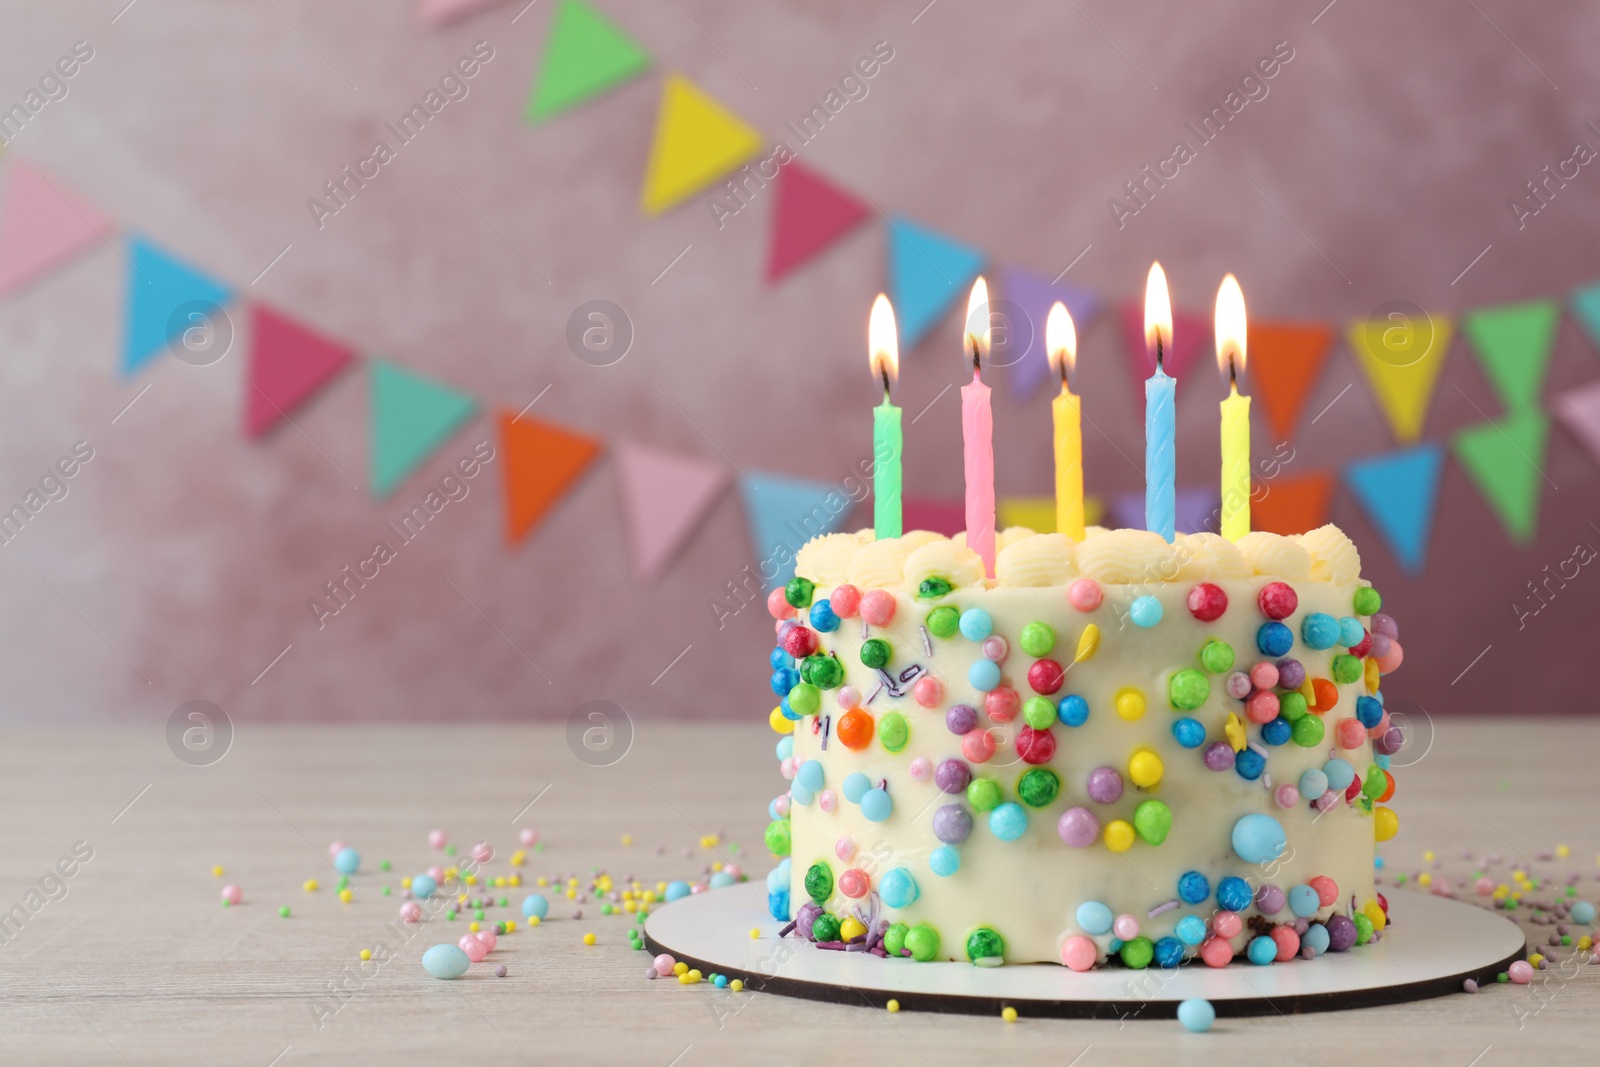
(1505, 460)
(1513, 342)
(585, 54)
(411, 417)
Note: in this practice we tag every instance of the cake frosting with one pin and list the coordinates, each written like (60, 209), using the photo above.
(1115, 748)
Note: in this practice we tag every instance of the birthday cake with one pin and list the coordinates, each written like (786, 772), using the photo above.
(1115, 750)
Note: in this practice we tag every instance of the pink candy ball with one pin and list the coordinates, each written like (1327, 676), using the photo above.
(1349, 733)
(1288, 943)
(1484, 886)
(877, 607)
(1126, 927)
(781, 805)
(1262, 707)
(1238, 685)
(410, 911)
(488, 937)
(845, 601)
(483, 852)
(1264, 675)
(787, 767)
(232, 894)
(1001, 703)
(1287, 796)
(436, 839)
(977, 745)
(1216, 952)
(1387, 664)
(436, 872)
(335, 848)
(995, 648)
(921, 769)
(476, 950)
(1079, 952)
(1227, 924)
(529, 837)
(928, 692)
(845, 849)
(827, 800)
(664, 964)
(1520, 972)
(1084, 594)
(848, 697)
(853, 883)
(778, 605)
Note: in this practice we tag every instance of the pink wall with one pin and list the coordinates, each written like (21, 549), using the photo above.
(182, 559)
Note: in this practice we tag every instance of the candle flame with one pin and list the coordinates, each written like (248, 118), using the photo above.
(883, 343)
(977, 342)
(1060, 340)
(1231, 329)
(1157, 315)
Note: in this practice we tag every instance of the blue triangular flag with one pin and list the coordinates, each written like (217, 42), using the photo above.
(784, 513)
(1586, 308)
(412, 415)
(928, 271)
(1032, 295)
(166, 297)
(1399, 490)
(1197, 510)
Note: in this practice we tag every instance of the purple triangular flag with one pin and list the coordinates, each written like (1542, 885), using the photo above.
(1031, 294)
(1196, 510)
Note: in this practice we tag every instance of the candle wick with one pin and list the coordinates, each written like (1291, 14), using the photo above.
(885, 372)
(1233, 374)
(1158, 351)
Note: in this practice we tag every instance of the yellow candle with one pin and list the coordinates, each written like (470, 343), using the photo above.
(1231, 332)
(1061, 343)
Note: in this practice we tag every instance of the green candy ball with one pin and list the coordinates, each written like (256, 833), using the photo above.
(1039, 713)
(1367, 601)
(1363, 928)
(1038, 786)
(984, 794)
(778, 837)
(819, 882)
(893, 732)
(1187, 690)
(1037, 639)
(826, 928)
(923, 941)
(1152, 821)
(1374, 783)
(894, 939)
(943, 621)
(875, 653)
(805, 699)
(824, 672)
(1308, 730)
(1346, 668)
(1292, 705)
(933, 588)
(1216, 656)
(798, 592)
(984, 944)
(1138, 953)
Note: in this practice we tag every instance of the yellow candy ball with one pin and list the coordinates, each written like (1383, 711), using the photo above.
(474, 927)
(588, 939)
(510, 926)
(1424, 879)
(627, 839)
(1009, 1015)
(780, 722)
(366, 953)
(736, 985)
(534, 920)
(1119, 835)
(1129, 703)
(851, 928)
(310, 885)
(346, 896)
(1375, 913)
(1385, 823)
(684, 979)
(680, 968)
(216, 872)
(1563, 851)
(755, 934)
(1145, 769)
(893, 1005)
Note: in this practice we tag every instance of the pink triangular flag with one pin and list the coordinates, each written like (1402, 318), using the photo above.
(438, 13)
(42, 223)
(1191, 335)
(664, 497)
(810, 213)
(1579, 411)
(288, 362)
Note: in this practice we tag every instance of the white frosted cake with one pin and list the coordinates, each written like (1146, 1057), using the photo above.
(1115, 749)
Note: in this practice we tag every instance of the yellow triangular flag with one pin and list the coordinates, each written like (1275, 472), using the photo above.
(697, 141)
(1402, 357)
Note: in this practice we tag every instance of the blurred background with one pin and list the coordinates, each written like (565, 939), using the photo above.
(262, 346)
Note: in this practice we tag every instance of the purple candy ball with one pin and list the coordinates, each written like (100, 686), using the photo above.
(1238, 685)
(1270, 900)
(1218, 756)
(1385, 625)
(961, 718)
(1380, 646)
(952, 824)
(1105, 785)
(1341, 934)
(1392, 741)
(806, 917)
(1078, 827)
(1291, 673)
(952, 776)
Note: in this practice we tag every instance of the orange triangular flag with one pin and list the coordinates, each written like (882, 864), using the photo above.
(1291, 505)
(1285, 358)
(542, 463)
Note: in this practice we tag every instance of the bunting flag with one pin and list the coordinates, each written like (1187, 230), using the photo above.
(542, 462)
(1579, 411)
(665, 496)
(1192, 334)
(1284, 361)
(165, 297)
(288, 363)
(809, 214)
(928, 271)
(784, 513)
(1398, 491)
(1585, 306)
(585, 53)
(1033, 294)
(1505, 460)
(697, 141)
(1196, 509)
(411, 417)
(1038, 513)
(1402, 361)
(438, 13)
(1514, 342)
(1290, 505)
(42, 225)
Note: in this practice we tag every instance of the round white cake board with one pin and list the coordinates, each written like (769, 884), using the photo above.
(1430, 947)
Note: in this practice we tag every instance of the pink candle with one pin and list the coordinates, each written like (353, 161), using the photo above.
(977, 432)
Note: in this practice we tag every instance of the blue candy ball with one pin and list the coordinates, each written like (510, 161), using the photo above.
(348, 861)
(422, 886)
(1249, 763)
(1274, 639)
(823, 619)
(1340, 774)
(1582, 912)
(445, 961)
(772, 810)
(785, 679)
(1262, 950)
(800, 794)
(983, 675)
(1008, 822)
(1351, 632)
(1277, 731)
(778, 904)
(780, 659)
(1191, 930)
(1315, 938)
(1169, 953)
(810, 775)
(944, 861)
(1145, 611)
(677, 891)
(788, 712)
(1304, 902)
(785, 747)
(1193, 887)
(1233, 894)
(777, 878)
(1319, 630)
(1094, 918)
(1258, 838)
(976, 624)
(856, 786)
(876, 805)
(1189, 733)
(1369, 711)
(1073, 710)
(535, 905)
(1196, 1015)
(1313, 784)
(898, 889)
(1381, 760)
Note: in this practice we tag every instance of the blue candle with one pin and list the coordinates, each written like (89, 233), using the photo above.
(1160, 423)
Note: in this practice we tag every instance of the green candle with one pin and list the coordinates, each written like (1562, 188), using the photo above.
(887, 440)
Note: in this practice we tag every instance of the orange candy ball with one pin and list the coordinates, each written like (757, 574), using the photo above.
(1326, 695)
(855, 729)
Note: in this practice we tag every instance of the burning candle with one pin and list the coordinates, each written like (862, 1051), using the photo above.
(1061, 348)
(1235, 411)
(883, 356)
(977, 432)
(1160, 393)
